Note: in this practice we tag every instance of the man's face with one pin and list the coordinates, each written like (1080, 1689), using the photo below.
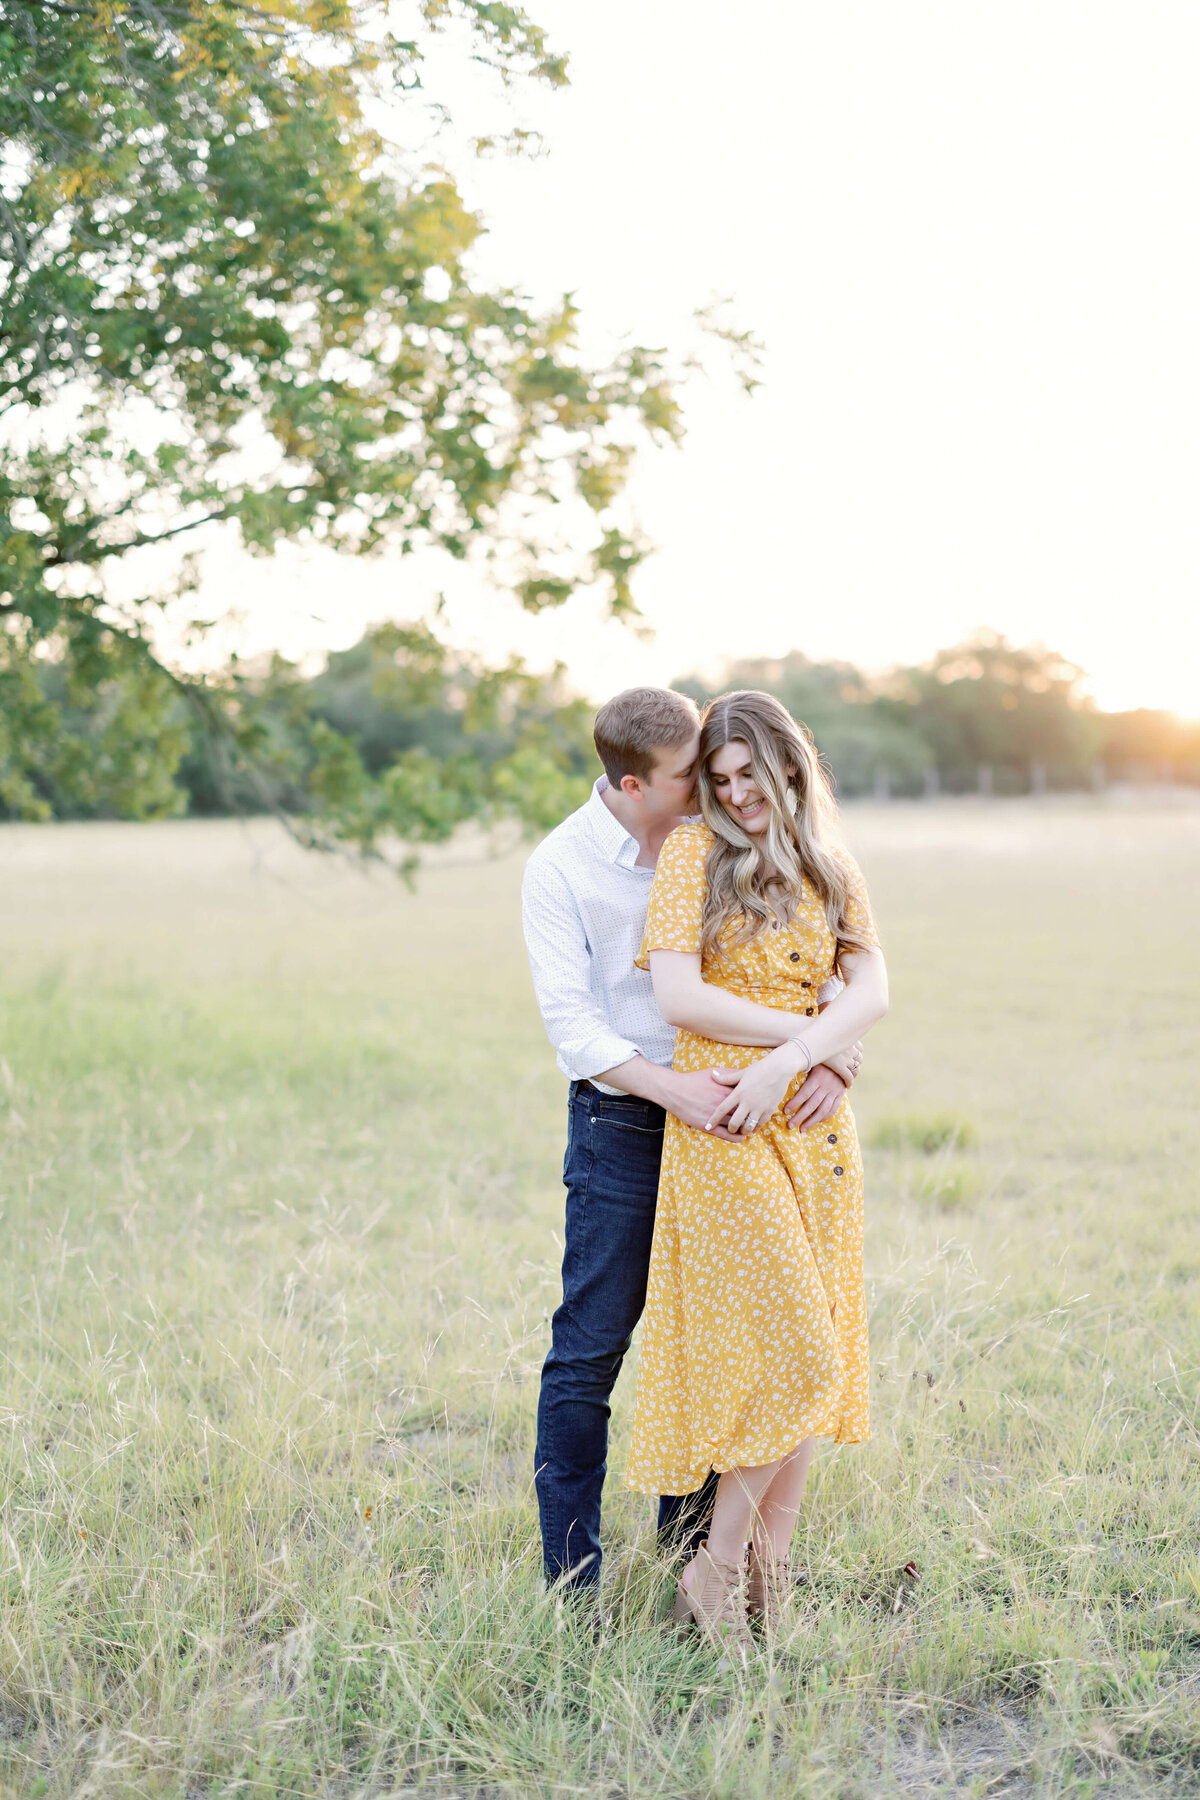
(669, 790)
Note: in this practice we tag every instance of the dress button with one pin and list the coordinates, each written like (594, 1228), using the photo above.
(808, 1012)
(806, 984)
(837, 1169)
(795, 957)
(832, 1138)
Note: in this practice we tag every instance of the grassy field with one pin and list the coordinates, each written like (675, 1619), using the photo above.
(281, 1149)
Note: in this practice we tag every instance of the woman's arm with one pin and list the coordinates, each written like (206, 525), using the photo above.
(690, 1003)
(862, 1003)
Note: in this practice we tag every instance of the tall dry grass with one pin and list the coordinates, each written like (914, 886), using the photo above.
(281, 1152)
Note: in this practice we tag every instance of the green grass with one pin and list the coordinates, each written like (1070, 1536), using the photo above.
(924, 1131)
(281, 1150)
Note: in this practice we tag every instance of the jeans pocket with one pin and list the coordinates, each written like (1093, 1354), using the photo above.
(617, 1123)
(627, 1114)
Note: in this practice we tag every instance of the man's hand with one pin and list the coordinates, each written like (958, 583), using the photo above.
(818, 1098)
(695, 1097)
(846, 1063)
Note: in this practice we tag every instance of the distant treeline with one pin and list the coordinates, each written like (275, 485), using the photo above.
(429, 738)
(983, 715)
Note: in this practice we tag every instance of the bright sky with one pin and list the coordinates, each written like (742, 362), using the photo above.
(967, 233)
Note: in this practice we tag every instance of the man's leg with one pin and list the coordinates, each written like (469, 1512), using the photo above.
(683, 1520)
(614, 1148)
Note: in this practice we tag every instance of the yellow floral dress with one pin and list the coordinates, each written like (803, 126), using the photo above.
(755, 1330)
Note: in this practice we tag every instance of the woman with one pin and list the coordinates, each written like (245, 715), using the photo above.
(755, 1336)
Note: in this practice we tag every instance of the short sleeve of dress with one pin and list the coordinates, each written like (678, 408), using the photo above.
(858, 908)
(676, 906)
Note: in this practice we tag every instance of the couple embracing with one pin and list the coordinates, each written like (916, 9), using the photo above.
(705, 981)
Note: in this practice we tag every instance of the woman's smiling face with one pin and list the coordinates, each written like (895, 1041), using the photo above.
(732, 777)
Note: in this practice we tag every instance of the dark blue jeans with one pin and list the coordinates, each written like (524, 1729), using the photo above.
(614, 1148)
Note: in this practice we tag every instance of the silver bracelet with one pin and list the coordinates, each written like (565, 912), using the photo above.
(801, 1045)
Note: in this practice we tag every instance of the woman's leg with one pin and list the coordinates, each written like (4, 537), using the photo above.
(712, 1583)
(775, 1520)
(763, 1502)
(740, 1494)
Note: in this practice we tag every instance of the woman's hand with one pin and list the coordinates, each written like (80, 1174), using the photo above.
(749, 1105)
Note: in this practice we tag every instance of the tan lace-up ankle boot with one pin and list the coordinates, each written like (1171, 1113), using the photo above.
(716, 1601)
(769, 1589)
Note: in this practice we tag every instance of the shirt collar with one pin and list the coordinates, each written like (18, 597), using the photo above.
(617, 844)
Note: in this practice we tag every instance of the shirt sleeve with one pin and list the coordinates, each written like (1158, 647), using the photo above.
(858, 907)
(676, 908)
(559, 960)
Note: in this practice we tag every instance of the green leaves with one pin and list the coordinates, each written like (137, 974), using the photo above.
(200, 218)
(226, 297)
(408, 742)
(96, 729)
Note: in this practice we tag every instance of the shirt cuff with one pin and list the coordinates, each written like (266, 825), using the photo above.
(590, 1059)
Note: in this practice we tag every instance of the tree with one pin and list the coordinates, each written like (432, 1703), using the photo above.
(401, 726)
(981, 701)
(1145, 742)
(225, 297)
(855, 731)
(988, 701)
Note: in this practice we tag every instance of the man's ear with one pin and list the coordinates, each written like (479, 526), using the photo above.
(631, 785)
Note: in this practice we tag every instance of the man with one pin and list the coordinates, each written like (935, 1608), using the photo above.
(584, 908)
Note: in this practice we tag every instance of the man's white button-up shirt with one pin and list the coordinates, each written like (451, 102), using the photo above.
(583, 907)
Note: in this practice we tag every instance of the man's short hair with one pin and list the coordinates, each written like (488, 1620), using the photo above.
(635, 724)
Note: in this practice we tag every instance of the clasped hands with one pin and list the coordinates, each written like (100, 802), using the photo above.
(724, 1101)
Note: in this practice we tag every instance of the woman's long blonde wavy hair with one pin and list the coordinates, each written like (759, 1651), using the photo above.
(796, 844)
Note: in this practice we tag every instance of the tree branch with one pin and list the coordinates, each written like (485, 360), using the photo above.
(143, 540)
